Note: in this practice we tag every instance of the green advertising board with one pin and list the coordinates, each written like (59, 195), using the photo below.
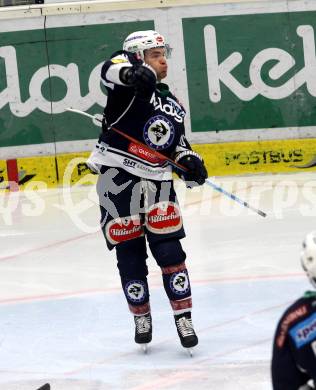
(45, 71)
(251, 71)
(240, 72)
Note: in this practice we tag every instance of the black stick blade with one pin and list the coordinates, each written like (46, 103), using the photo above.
(44, 387)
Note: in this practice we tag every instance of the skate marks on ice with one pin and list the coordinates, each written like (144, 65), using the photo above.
(244, 270)
(206, 377)
(103, 363)
(223, 376)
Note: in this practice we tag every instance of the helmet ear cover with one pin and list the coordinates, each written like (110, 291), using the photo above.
(308, 256)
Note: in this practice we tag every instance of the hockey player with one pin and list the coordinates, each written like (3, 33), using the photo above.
(135, 187)
(294, 346)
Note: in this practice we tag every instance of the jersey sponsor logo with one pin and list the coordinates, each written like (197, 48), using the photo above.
(171, 108)
(149, 170)
(164, 217)
(179, 283)
(129, 163)
(143, 152)
(123, 229)
(304, 332)
(135, 291)
(115, 157)
(287, 321)
(159, 132)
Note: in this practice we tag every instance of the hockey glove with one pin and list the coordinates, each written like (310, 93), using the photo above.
(142, 77)
(196, 171)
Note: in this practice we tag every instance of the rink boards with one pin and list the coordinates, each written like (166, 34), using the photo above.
(238, 158)
(244, 70)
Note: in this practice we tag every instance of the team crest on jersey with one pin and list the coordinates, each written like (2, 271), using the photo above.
(159, 132)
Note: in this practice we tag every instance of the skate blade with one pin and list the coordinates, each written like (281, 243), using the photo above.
(189, 351)
(144, 348)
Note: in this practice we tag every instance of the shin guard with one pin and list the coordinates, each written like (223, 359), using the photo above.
(137, 296)
(177, 286)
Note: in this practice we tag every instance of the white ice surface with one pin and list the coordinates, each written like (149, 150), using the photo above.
(64, 319)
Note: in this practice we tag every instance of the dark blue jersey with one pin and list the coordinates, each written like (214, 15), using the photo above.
(294, 346)
(155, 118)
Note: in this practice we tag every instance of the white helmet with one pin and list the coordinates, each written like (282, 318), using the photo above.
(308, 256)
(139, 41)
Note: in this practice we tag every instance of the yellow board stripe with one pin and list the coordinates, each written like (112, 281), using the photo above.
(258, 157)
(238, 158)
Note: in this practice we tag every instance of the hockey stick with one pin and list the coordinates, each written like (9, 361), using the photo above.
(135, 141)
(174, 164)
(45, 387)
(235, 198)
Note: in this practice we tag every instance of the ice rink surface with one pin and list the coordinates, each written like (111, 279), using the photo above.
(64, 319)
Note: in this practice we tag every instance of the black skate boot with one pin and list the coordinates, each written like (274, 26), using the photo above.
(143, 329)
(185, 330)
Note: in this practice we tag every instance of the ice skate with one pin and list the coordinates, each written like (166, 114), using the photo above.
(143, 331)
(144, 348)
(186, 332)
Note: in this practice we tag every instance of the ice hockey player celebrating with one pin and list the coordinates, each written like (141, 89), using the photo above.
(135, 187)
(294, 347)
